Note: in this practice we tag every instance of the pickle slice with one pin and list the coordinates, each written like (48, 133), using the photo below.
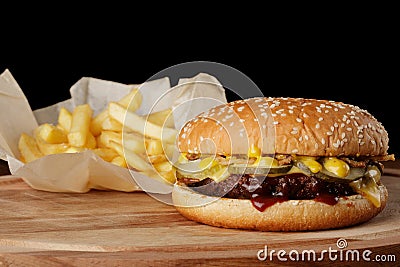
(257, 170)
(354, 173)
(189, 167)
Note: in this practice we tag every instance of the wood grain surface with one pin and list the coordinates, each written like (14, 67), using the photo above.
(107, 228)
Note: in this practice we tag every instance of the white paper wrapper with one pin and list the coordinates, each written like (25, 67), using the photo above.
(81, 172)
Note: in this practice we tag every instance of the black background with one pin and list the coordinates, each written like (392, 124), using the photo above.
(359, 72)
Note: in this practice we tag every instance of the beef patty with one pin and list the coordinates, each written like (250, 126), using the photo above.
(289, 186)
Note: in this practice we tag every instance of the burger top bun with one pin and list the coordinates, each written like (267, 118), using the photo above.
(285, 126)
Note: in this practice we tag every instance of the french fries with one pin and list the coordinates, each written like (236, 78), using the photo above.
(80, 125)
(162, 118)
(64, 119)
(28, 148)
(138, 124)
(51, 134)
(117, 135)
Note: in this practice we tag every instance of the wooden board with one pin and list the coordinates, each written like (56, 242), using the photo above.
(113, 228)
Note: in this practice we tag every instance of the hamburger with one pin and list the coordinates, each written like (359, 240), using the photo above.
(281, 164)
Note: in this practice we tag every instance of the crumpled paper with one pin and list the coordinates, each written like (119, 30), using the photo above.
(81, 172)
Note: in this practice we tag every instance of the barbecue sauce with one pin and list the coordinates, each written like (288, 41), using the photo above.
(261, 203)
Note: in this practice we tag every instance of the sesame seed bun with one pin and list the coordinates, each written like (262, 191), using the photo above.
(291, 215)
(285, 126)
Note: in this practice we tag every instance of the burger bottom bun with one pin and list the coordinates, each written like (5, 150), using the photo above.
(291, 215)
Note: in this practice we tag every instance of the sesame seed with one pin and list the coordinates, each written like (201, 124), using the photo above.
(264, 126)
(220, 128)
(320, 119)
(183, 136)
(255, 119)
(300, 138)
(293, 132)
(317, 126)
(201, 138)
(323, 141)
(329, 133)
(188, 141)
(343, 135)
(240, 109)
(306, 137)
(316, 145)
(348, 129)
(332, 128)
(305, 115)
(276, 122)
(295, 150)
(327, 111)
(342, 125)
(290, 111)
(283, 114)
(231, 124)
(205, 120)
(373, 142)
(298, 120)
(242, 120)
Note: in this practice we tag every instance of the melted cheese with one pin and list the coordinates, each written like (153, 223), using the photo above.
(336, 166)
(311, 163)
